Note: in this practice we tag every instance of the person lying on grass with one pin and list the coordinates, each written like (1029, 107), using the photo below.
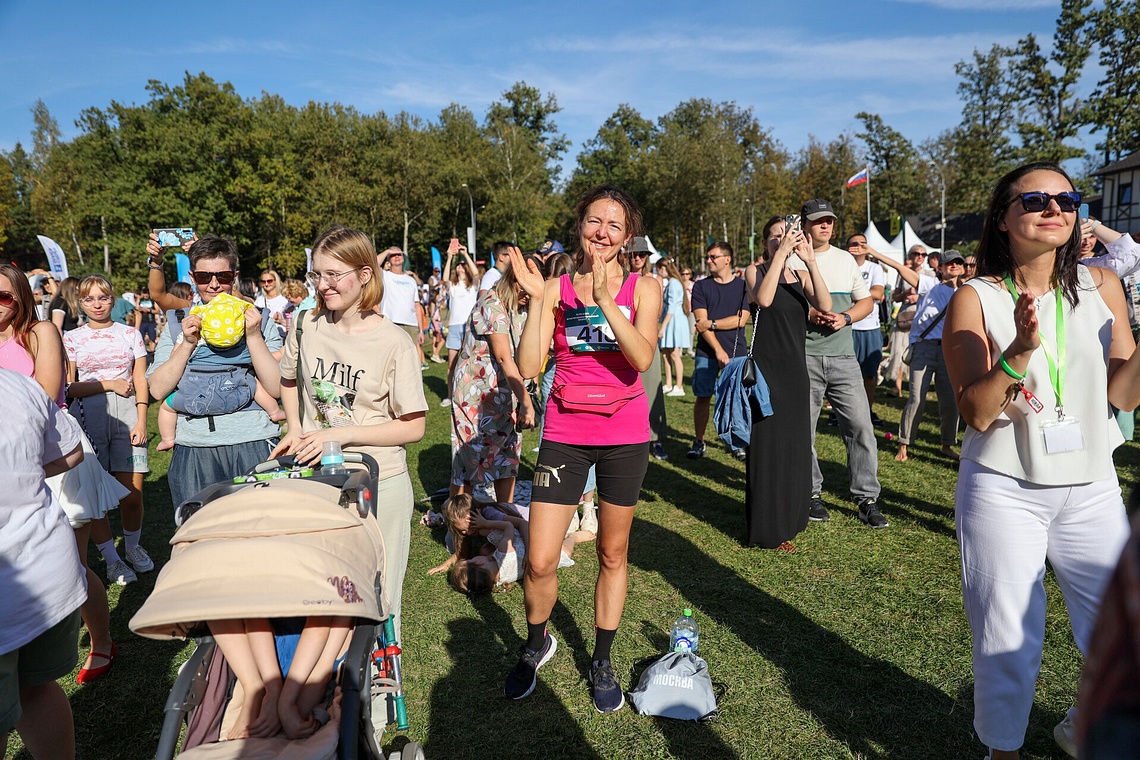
(502, 558)
(280, 698)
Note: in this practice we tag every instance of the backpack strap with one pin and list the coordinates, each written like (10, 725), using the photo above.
(299, 322)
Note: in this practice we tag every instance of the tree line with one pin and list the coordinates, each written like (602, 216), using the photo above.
(272, 175)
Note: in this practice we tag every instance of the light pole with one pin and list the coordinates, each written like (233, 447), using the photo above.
(942, 188)
(471, 229)
(752, 235)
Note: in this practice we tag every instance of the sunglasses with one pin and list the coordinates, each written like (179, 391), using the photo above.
(1038, 200)
(639, 254)
(6, 299)
(224, 278)
(268, 282)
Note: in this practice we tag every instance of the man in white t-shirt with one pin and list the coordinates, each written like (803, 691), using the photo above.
(401, 302)
(866, 332)
(44, 584)
(502, 264)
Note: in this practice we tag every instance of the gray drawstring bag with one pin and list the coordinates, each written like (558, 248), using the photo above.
(676, 686)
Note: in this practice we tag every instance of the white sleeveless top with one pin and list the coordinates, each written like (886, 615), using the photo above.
(1014, 444)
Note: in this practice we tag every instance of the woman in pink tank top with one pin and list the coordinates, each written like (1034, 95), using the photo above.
(603, 321)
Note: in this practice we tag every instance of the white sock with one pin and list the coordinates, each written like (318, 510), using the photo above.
(587, 506)
(107, 549)
(132, 538)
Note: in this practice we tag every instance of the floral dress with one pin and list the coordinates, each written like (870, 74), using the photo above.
(484, 443)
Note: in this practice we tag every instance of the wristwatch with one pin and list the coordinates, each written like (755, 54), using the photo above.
(713, 326)
(846, 317)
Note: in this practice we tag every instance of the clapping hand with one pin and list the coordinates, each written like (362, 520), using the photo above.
(527, 274)
(1025, 320)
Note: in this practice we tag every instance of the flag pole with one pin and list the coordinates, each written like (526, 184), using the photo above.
(868, 168)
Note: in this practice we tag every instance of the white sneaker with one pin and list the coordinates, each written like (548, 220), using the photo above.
(574, 524)
(1065, 734)
(589, 520)
(677, 392)
(445, 402)
(139, 560)
(666, 389)
(120, 574)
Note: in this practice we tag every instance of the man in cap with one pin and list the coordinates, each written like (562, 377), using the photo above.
(833, 370)
(926, 352)
(548, 249)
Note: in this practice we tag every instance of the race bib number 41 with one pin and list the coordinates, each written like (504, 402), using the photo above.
(588, 330)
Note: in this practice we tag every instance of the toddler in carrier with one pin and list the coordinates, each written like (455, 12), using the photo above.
(218, 377)
(502, 559)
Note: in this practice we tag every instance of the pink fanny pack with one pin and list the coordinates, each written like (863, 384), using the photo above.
(596, 398)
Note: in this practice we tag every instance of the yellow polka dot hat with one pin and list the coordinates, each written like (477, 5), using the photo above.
(223, 320)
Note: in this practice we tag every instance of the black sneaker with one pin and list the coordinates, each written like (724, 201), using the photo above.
(870, 514)
(877, 421)
(658, 451)
(816, 511)
(832, 419)
(697, 451)
(607, 693)
(524, 675)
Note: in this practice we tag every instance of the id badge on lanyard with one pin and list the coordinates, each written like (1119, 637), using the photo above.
(587, 330)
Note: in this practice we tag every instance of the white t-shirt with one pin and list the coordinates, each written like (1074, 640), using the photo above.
(930, 305)
(461, 303)
(276, 305)
(872, 272)
(400, 295)
(491, 277)
(40, 573)
(107, 354)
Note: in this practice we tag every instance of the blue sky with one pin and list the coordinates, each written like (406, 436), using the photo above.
(806, 68)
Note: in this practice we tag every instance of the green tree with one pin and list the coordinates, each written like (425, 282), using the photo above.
(1115, 28)
(1050, 112)
(899, 175)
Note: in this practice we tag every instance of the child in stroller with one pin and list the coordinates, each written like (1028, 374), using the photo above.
(284, 549)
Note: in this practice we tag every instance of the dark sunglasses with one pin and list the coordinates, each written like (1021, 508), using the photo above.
(1038, 200)
(6, 299)
(224, 278)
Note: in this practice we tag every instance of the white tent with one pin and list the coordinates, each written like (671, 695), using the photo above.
(912, 239)
(879, 243)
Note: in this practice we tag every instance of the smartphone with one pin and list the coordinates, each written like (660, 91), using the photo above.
(453, 246)
(791, 223)
(1084, 212)
(173, 237)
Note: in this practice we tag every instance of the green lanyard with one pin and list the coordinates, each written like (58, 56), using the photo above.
(1056, 364)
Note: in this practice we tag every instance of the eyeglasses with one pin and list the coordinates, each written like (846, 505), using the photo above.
(91, 300)
(332, 278)
(225, 277)
(1038, 200)
(6, 299)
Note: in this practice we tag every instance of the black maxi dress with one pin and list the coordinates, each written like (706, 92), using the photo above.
(779, 456)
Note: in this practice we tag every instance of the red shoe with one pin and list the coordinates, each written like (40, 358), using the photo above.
(87, 675)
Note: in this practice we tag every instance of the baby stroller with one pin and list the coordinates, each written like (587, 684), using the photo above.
(282, 541)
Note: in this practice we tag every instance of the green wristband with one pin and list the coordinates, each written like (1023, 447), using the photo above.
(1009, 370)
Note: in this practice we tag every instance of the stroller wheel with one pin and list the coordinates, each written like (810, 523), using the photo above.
(411, 751)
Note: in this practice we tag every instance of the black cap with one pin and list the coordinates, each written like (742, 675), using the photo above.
(816, 208)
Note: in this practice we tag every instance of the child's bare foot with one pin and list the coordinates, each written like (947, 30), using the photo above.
(294, 725)
(165, 445)
(251, 704)
(267, 723)
(278, 416)
(901, 456)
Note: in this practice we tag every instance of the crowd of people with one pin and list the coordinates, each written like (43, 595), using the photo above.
(1030, 341)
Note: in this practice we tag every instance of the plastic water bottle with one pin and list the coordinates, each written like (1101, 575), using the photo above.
(332, 459)
(685, 633)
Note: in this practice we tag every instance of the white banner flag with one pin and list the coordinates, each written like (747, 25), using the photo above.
(57, 262)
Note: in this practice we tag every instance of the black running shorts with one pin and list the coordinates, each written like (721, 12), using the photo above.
(560, 473)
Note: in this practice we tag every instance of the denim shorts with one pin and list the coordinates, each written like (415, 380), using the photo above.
(455, 334)
(706, 369)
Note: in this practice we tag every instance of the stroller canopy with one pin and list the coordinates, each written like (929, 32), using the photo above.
(281, 548)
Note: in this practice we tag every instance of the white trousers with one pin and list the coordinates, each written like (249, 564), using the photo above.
(1007, 528)
(394, 504)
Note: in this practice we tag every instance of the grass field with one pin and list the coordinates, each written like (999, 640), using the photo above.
(856, 646)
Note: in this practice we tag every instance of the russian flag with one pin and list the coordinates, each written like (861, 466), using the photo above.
(858, 179)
